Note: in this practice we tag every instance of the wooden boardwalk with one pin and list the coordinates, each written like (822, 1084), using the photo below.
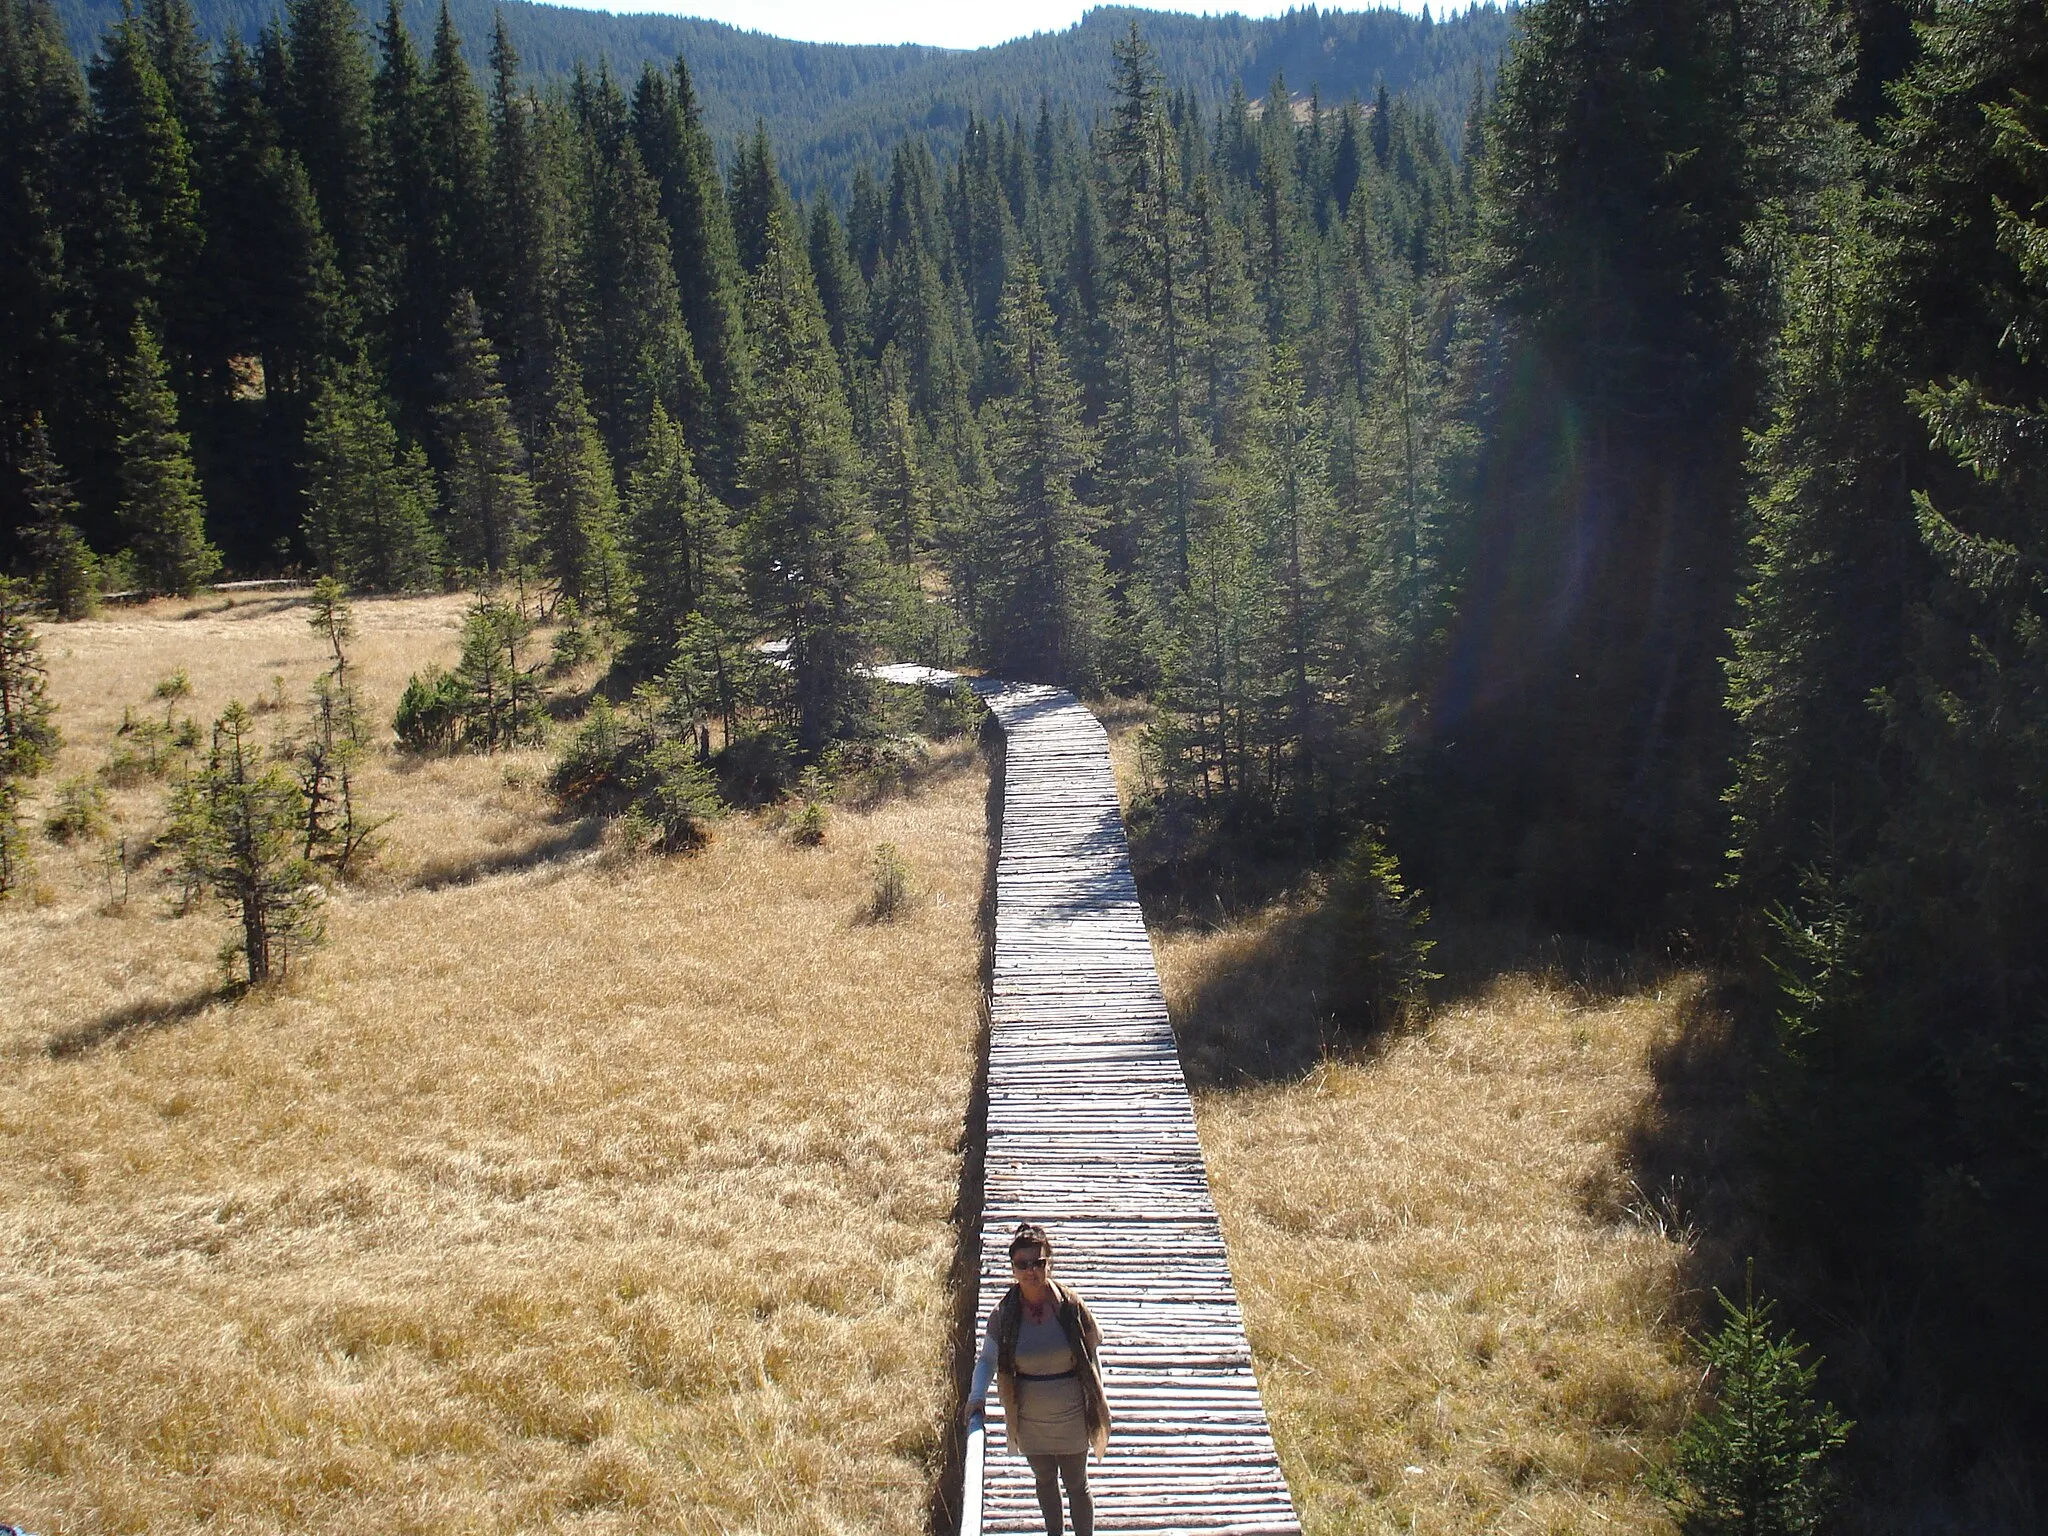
(1090, 1133)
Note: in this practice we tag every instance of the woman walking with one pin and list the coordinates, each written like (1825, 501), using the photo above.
(1042, 1348)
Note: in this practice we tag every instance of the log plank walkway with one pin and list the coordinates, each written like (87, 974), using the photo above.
(1091, 1133)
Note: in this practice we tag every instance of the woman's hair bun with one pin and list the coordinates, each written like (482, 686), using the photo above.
(1030, 1234)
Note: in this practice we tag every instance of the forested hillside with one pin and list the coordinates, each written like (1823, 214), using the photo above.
(832, 107)
(1629, 525)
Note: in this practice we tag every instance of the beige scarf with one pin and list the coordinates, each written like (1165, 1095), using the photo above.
(1084, 1338)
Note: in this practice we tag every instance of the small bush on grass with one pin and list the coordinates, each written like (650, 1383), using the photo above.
(574, 644)
(892, 892)
(28, 736)
(429, 712)
(147, 749)
(176, 686)
(642, 765)
(674, 799)
(1755, 1462)
(756, 768)
(1380, 950)
(16, 867)
(808, 826)
(79, 812)
(490, 702)
(236, 826)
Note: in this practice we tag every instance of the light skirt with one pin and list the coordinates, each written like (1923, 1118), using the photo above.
(1050, 1420)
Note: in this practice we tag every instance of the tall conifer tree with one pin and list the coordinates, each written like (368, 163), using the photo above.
(635, 349)
(1045, 619)
(679, 155)
(161, 510)
(811, 551)
(326, 112)
(577, 504)
(369, 501)
(66, 569)
(488, 497)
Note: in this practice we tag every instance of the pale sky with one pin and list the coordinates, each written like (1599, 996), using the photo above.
(947, 23)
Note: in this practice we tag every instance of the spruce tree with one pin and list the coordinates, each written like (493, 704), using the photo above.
(1212, 664)
(680, 546)
(416, 326)
(1164, 473)
(1755, 1462)
(525, 230)
(325, 108)
(236, 825)
(840, 288)
(679, 155)
(635, 348)
(755, 196)
(1046, 616)
(1636, 369)
(902, 492)
(1286, 482)
(145, 224)
(180, 55)
(810, 550)
(66, 569)
(28, 736)
(42, 123)
(326, 758)
(326, 111)
(369, 511)
(1225, 351)
(161, 511)
(576, 504)
(273, 284)
(488, 497)
(459, 157)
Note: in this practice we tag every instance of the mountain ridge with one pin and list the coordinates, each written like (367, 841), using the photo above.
(832, 106)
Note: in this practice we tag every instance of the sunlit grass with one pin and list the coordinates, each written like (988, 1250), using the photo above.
(558, 1190)
(1464, 1315)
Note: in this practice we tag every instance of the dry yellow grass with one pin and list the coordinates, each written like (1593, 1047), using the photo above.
(557, 1191)
(1464, 1318)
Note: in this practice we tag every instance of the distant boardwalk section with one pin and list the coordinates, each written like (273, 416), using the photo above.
(1091, 1133)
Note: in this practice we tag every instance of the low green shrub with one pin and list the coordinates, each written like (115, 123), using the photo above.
(429, 712)
(79, 811)
(1754, 1462)
(892, 888)
(1379, 955)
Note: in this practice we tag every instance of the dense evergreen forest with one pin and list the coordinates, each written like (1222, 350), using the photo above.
(1631, 522)
(831, 107)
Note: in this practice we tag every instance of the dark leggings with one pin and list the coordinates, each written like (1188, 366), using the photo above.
(1048, 1471)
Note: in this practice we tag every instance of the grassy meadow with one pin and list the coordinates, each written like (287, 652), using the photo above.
(1466, 1315)
(560, 1190)
(569, 1189)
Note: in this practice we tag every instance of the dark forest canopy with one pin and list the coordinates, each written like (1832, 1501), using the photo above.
(1626, 511)
(830, 106)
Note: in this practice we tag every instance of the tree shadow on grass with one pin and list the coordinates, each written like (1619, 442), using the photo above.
(907, 778)
(125, 1024)
(557, 847)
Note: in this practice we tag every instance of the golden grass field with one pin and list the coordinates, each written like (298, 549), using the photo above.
(564, 1189)
(1465, 1319)
(1465, 1316)
(559, 1190)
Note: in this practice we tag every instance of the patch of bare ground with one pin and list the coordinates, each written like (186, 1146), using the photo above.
(1465, 1314)
(559, 1190)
